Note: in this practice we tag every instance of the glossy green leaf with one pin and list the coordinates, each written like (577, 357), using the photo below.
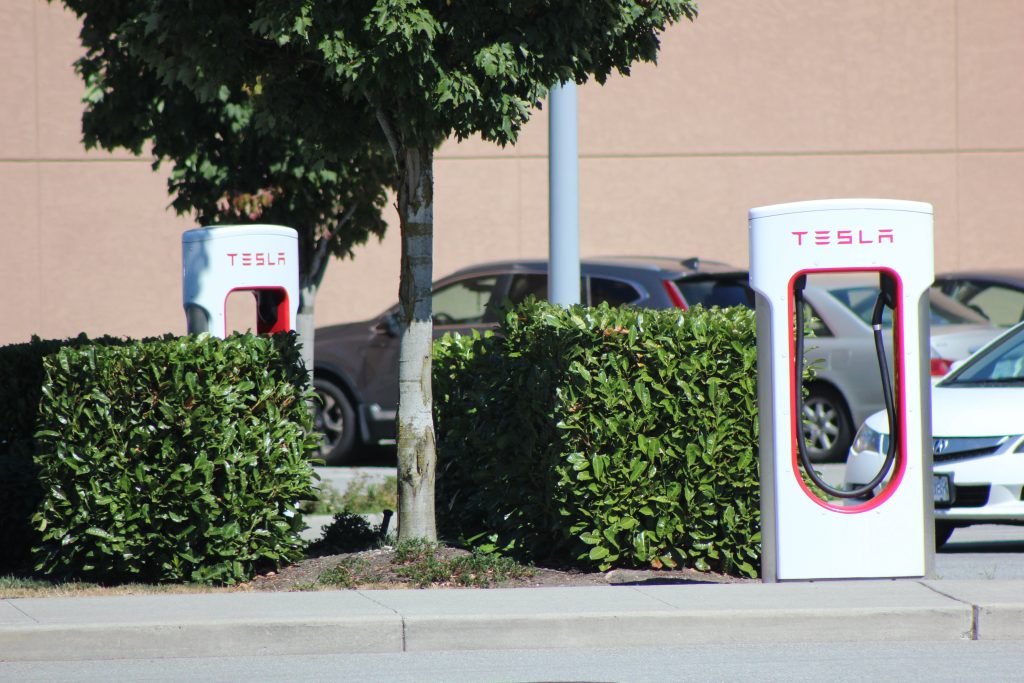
(676, 473)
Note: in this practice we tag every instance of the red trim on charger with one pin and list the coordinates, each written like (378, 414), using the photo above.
(900, 464)
(283, 321)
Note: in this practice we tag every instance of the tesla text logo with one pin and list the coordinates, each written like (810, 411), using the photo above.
(843, 236)
(256, 258)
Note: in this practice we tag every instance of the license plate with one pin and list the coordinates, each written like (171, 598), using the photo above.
(943, 483)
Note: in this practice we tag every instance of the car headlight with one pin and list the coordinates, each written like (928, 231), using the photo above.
(868, 439)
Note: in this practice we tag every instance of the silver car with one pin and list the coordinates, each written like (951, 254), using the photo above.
(848, 388)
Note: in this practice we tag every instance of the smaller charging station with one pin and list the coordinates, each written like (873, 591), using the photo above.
(809, 529)
(219, 260)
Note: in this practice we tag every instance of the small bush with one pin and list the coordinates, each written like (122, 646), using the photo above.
(347, 533)
(173, 460)
(603, 437)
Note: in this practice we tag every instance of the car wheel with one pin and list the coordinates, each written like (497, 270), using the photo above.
(336, 421)
(827, 430)
(943, 530)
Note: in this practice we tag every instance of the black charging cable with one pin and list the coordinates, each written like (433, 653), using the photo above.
(884, 299)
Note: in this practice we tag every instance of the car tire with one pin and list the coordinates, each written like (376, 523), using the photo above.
(943, 530)
(826, 421)
(335, 419)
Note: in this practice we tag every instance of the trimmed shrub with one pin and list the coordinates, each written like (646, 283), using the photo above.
(182, 459)
(20, 387)
(603, 437)
(20, 493)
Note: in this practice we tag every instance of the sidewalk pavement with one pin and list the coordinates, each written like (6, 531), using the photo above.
(251, 624)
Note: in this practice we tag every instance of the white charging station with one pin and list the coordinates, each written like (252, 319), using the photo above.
(219, 260)
(805, 536)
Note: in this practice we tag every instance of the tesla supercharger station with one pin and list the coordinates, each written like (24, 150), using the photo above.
(804, 535)
(217, 261)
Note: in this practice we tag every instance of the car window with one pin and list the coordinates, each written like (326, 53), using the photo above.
(1002, 363)
(1001, 305)
(948, 311)
(710, 292)
(465, 302)
(525, 285)
(961, 290)
(943, 309)
(611, 292)
(532, 284)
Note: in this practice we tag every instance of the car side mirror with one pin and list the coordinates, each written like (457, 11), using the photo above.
(388, 325)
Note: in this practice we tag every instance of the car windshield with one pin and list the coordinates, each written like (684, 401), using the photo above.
(944, 310)
(715, 291)
(1001, 364)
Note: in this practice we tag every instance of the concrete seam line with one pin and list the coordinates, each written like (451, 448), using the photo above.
(394, 611)
(975, 632)
(21, 611)
(636, 589)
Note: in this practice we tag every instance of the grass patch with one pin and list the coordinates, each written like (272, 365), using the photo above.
(364, 495)
(18, 587)
(423, 564)
(419, 562)
(349, 573)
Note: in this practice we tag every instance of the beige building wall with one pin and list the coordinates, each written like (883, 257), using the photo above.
(757, 102)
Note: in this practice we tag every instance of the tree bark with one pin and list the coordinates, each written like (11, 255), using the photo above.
(305, 325)
(416, 454)
(313, 267)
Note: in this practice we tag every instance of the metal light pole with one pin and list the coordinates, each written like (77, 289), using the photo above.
(563, 197)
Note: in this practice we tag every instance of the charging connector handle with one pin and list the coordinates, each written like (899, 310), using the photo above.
(884, 299)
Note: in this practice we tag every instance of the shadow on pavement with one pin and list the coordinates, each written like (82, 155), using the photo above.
(954, 547)
(374, 456)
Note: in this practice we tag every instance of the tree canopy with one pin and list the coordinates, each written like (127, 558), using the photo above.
(423, 70)
(232, 155)
(323, 168)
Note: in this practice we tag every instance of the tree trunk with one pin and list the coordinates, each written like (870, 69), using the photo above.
(305, 325)
(416, 455)
(315, 255)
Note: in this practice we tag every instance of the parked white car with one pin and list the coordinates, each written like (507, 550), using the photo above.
(848, 386)
(977, 440)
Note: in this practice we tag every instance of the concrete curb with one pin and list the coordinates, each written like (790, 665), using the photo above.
(252, 624)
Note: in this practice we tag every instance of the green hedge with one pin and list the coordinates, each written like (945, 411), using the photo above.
(21, 380)
(180, 459)
(603, 437)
